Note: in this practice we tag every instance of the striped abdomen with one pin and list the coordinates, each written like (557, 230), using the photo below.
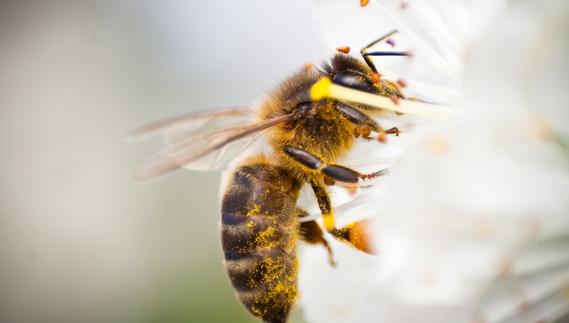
(259, 231)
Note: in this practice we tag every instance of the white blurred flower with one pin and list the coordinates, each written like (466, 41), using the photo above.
(473, 222)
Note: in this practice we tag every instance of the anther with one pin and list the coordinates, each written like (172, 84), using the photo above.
(343, 49)
(382, 136)
(375, 77)
(391, 42)
(364, 3)
(394, 131)
(352, 189)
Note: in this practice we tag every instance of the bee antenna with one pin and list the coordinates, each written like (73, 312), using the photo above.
(364, 51)
(382, 38)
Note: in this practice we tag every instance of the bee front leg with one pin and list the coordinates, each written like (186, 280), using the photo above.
(364, 123)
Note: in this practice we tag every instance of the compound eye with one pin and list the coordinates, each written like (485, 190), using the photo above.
(354, 81)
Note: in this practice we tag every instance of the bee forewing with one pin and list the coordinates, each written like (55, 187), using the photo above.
(178, 128)
(197, 151)
(205, 125)
(223, 157)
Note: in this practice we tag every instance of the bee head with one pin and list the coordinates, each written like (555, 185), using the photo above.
(349, 72)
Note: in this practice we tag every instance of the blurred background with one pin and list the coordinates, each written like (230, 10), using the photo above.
(80, 240)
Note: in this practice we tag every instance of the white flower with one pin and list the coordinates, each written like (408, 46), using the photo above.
(473, 222)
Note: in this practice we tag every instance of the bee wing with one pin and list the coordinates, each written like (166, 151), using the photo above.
(181, 127)
(206, 151)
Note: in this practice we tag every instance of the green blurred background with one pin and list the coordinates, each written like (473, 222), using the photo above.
(80, 240)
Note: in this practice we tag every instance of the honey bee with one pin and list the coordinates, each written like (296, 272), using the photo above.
(260, 220)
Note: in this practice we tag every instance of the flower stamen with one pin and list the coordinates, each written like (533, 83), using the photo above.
(324, 88)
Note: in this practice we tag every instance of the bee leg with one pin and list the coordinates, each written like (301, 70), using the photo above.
(349, 176)
(335, 172)
(310, 232)
(365, 54)
(356, 235)
(325, 204)
(364, 123)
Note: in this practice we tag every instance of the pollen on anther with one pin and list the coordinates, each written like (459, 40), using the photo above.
(343, 49)
(375, 77)
(364, 3)
(352, 190)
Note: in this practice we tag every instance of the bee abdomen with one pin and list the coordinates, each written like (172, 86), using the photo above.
(258, 234)
(265, 283)
(262, 266)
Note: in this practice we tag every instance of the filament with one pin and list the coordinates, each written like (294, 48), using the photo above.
(384, 53)
(324, 88)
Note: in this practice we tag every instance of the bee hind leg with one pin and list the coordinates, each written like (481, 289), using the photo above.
(310, 232)
(357, 235)
(336, 172)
